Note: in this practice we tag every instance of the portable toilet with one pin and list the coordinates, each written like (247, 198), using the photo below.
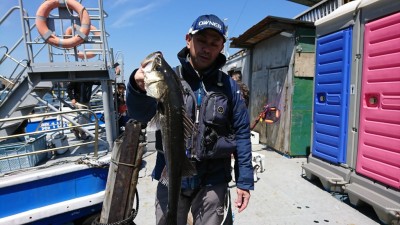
(376, 180)
(335, 85)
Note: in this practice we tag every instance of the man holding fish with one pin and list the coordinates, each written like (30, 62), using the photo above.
(203, 121)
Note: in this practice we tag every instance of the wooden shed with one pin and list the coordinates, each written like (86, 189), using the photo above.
(277, 63)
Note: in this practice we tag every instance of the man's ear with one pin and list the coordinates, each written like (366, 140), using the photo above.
(222, 48)
(188, 39)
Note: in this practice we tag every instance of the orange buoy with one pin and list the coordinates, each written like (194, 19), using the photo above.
(81, 55)
(270, 117)
(48, 35)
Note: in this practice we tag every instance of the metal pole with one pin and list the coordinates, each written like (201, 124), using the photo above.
(109, 117)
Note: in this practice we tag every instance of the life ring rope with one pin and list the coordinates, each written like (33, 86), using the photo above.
(83, 54)
(79, 33)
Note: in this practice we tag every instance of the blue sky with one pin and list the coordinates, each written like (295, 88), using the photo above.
(139, 27)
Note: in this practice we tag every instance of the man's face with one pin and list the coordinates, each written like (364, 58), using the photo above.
(204, 47)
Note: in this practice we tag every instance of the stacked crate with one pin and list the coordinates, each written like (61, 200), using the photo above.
(32, 144)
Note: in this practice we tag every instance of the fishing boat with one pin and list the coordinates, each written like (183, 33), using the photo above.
(47, 175)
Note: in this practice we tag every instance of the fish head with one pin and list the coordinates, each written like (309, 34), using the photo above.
(154, 75)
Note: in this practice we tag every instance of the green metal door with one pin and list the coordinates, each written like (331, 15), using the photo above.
(300, 135)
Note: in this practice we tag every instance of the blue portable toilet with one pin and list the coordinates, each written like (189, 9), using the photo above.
(334, 94)
(331, 95)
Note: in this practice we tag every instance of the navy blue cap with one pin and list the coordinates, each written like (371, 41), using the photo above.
(208, 22)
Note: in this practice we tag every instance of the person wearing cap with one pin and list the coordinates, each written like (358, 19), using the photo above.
(117, 69)
(204, 193)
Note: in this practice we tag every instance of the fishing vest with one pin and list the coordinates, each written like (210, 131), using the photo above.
(211, 112)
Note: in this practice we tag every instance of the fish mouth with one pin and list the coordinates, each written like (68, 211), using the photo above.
(150, 58)
(153, 77)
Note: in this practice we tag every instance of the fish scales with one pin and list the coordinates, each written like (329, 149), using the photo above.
(162, 83)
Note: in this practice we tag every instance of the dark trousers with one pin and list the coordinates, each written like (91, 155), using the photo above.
(205, 203)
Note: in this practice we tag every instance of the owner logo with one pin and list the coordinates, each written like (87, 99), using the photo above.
(210, 23)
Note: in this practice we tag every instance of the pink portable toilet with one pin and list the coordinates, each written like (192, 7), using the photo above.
(376, 180)
(379, 132)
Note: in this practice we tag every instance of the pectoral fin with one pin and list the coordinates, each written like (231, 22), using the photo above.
(164, 177)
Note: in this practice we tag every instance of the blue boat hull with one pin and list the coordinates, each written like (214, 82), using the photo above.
(59, 191)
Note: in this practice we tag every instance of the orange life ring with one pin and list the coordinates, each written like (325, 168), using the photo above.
(48, 35)
(270, 118)
(81, 55)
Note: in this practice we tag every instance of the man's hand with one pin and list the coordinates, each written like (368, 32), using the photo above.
(139, 78)
(243, 197)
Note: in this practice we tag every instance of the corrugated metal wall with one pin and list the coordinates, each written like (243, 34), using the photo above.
(270, 65)
(319, 10)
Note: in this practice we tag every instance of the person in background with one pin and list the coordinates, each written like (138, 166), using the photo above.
(237, 76)
(117, 69)
(204, 194)
(121, 105)
(80, 94)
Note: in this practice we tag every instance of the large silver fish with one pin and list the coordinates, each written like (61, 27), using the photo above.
(162, 83)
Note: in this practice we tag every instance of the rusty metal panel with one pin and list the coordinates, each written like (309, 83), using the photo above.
(270, 66)
(274, 52)
(278, 96)
(270, 87)
(259, 97)
(259, 57)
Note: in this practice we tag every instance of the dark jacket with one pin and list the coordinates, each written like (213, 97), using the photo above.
(80, 91)
(142, 108)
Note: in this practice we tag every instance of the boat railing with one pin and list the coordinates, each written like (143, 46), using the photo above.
(94, 50)
(4, 18)
(21, 65)
(95, 46)
(89, 61)
(95, 141)
(12, 81)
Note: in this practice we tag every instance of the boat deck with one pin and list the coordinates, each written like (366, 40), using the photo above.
(71, 155)
(282, 195)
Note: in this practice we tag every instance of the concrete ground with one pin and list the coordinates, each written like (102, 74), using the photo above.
(281, 196)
